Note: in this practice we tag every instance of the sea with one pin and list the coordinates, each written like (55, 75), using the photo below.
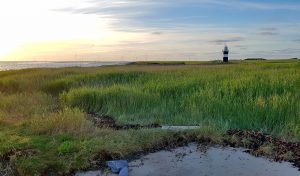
(45, 64)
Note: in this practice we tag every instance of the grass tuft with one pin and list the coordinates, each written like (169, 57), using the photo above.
(68, 121)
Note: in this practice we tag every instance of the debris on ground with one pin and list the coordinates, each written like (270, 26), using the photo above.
(119, 167)
(262, 144)
(105, 121)
(179, 128)
(6, 166)
(6, 170)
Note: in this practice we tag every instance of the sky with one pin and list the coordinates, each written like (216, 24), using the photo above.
(129, 30)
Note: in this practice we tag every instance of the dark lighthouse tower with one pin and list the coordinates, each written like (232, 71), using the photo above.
(225, 54)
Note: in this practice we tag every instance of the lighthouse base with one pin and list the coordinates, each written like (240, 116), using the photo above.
(225, 59)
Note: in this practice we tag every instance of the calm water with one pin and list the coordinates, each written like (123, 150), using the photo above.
(215, 161)
(24, 65)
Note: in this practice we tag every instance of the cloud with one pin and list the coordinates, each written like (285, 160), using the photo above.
(287, 50)
(230, 40)
(124, 7)
(254, 5)
(241, 47)
(115, 8)
(297, 40)
(149, 11)
(157, 33)
(268, 33)
(271, 6)
(268, 29)
(187, 25)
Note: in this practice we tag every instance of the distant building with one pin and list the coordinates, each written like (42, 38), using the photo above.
(255, 59)
(225, 54)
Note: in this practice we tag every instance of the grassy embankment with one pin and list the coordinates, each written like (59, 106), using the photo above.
(42, 111)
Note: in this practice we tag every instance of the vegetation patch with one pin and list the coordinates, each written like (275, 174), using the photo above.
(44, 110)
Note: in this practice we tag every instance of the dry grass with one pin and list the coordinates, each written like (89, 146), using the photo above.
(68, 121)
(21, 106)
(267, 149)
(209, 133)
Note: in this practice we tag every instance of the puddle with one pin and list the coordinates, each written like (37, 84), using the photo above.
(215, 161)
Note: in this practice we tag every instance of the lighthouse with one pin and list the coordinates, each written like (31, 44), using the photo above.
(225, 54)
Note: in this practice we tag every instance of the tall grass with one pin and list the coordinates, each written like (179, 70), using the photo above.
(261, 95)
(68, 121)
(246, 96)
(19, 106)
(42, 111)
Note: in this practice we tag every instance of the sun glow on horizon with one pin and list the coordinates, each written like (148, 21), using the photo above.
(35, 28)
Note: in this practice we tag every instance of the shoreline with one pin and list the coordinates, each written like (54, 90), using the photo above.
(23, 65)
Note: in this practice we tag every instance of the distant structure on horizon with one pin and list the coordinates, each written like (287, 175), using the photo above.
(225, 54)
(255, 59)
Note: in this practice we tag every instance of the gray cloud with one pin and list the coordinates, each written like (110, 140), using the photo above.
(268, 29)
(115, 8)
(122, 6)
(126, 15)
(157, 33)
(143, 13)
(268, 33)
(241, 47)
(255, 5)
(230, 40)
(287, 51)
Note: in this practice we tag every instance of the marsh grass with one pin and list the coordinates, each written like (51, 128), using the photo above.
(20, 106)
(248, 96)
(44, 109)
(67, 121)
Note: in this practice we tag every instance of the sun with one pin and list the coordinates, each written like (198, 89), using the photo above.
(6, 49)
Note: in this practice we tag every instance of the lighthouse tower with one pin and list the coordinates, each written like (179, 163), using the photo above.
(225, 54)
